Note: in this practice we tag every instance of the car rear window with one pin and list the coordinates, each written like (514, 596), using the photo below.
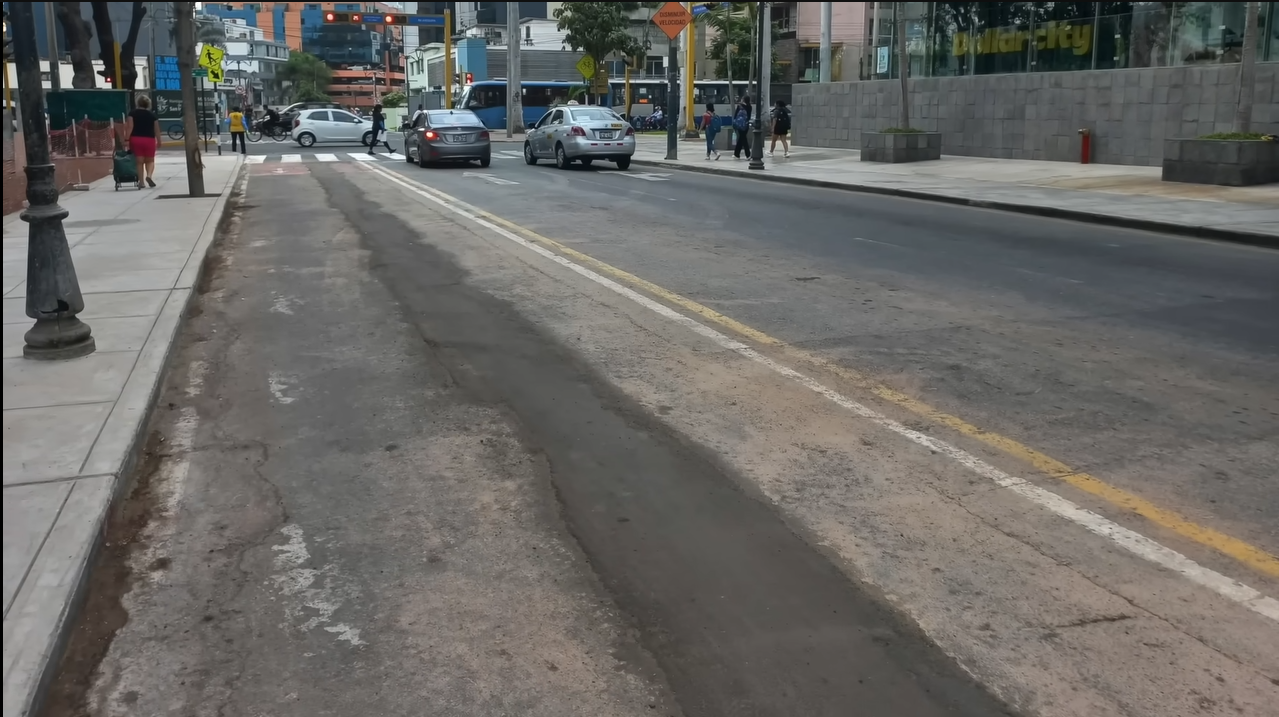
(595, 114)
(452, 119)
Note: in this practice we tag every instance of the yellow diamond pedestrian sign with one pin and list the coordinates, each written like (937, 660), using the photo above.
(211, 57)
(586, 66)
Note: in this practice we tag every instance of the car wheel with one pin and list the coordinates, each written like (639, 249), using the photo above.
(485, 162)
(306, 139)
(528, 154)
(624, 163)
(421, 157)
(407, 156)
(366, 138)
(561, 157)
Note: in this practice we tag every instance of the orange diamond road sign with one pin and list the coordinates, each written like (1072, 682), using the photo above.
(672, 18)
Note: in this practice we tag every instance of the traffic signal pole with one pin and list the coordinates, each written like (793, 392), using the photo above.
(449, 70)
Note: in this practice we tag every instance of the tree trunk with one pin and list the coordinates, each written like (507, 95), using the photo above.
(1247, 69)
(184, 13)
(129, 68)
(106, 39)
(903, 64)
(78, 36)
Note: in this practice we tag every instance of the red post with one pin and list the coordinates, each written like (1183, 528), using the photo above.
(1085, 146)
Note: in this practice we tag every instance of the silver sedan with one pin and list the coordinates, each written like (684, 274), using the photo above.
(580, 133)
(447, 136)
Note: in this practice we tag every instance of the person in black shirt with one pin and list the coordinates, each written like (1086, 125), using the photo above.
(271, 121)
(379, 130)
(143, 130)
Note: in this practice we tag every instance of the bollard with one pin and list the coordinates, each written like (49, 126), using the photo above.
(1085, 146)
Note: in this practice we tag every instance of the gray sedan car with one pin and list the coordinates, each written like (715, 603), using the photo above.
(447, 136)
(580, 133)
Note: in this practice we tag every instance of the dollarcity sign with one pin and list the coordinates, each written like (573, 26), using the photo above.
(1049, 36)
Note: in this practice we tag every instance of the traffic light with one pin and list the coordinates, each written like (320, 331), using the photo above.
(470, 78)
(337, 17)
(395, 19)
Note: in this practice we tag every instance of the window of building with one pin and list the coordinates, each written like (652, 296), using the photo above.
(654, 66)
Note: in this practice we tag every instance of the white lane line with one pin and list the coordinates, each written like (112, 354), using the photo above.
(491, 179)
(1130, 540)
(326, 158)
(291, 158)
(255, 159)
(646, 176)
(361, 156)
(508, 154)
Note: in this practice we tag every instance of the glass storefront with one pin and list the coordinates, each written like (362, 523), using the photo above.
(948, 39)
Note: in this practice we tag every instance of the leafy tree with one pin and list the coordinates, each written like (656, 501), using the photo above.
(645, 28)
(394, 99)
(209, 30)
(78, 34)
(597, 28)
(735, 29)
(308, 75)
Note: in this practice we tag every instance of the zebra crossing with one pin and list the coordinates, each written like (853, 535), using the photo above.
(352, 157)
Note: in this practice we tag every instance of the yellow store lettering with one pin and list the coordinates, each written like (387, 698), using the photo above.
(1048, 37)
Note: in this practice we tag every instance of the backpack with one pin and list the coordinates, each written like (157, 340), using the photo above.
(716, 124)
(740, 121)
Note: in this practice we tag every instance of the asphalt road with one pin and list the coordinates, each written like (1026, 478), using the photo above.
(407, 464)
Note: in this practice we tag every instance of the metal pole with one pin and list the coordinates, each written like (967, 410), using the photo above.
(672, 101)
(764, 54)
(903, 63)
(1247, 69)
(117, 82)
(53, 291)
(518, 101)
(55, 67)
(690, 64)
(823, 72)
(448, 60)
(514, 87)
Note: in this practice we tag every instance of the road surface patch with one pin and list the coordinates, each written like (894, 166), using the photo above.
(1129, 540)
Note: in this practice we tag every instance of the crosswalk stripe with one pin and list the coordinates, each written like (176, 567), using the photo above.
(395, 155)
(255, 159)
(327, 157)
(291, 158)
(361, 157)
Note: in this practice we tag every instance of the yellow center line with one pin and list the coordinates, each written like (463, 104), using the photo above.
(1250, 555)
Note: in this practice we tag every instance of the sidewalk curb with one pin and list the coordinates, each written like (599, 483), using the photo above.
(1199, 232)
(138, 402)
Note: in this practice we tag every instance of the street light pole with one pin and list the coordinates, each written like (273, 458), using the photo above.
(764, 54)
(53, 291)
(672, 102)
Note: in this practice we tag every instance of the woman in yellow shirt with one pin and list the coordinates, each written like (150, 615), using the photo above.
(237, 130)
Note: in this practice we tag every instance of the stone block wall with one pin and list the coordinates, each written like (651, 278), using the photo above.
(1037, 116)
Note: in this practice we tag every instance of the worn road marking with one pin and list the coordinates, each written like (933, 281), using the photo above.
(1125, 538)
(362, 156)
(326, 157)
(491, 179)
(255, 159)
(290, 158)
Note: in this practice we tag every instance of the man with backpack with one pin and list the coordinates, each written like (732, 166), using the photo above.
(742, 125)
(781, 128)
(711, 125)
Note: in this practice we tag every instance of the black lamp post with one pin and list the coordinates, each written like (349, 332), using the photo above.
(764, 55)
(53, 292)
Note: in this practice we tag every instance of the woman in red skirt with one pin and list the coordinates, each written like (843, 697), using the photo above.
(143, 128)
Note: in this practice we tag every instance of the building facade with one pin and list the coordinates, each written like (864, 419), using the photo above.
(252, 67)
(367, 60)
(431, 35)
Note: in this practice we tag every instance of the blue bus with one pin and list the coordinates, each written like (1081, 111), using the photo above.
(487, 98)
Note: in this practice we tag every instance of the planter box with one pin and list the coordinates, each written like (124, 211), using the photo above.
(1231, 163)
(897, 147)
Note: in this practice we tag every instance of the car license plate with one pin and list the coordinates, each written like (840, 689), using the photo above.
(605, 134)
(458, 138)
(616, 126)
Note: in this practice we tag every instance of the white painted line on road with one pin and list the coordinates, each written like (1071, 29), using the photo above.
(508, 154)
(326, 157)
(362, 156)
(255, 159)
(291, 158)
(647, 176)
(1129, 540)
(393, 155)
(489, 178)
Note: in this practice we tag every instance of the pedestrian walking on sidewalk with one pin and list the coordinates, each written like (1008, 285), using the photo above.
(237, 130)
(379, 130)
(781, 128)
(143, 129)
(742, 127)
(711, 125)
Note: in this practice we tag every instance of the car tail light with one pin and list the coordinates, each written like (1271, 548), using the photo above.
(429, 134)
(630, 131)
(484, 134)
(297, 122)
(577, 132)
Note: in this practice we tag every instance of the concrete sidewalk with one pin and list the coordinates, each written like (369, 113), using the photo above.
(1103, 193)
(72, 428)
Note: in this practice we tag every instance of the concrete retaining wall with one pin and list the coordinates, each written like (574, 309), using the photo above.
(1037, 116)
